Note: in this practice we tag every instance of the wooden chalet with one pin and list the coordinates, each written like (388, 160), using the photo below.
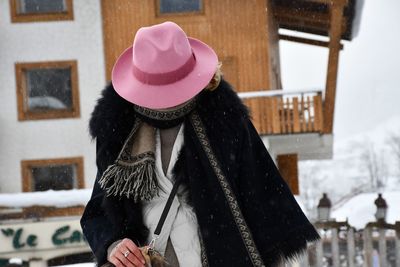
(245, 35)
(73, 42)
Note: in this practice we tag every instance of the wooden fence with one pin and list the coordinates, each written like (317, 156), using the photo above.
(377, 245)
(282, 112)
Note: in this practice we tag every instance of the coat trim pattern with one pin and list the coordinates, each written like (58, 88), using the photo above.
(204, 259)
(229, 195)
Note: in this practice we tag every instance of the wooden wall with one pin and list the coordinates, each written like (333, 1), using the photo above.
(243, 33)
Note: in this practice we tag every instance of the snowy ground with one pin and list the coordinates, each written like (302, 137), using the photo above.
(359, 210)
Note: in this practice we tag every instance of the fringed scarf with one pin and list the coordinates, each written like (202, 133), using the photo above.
(133, 173)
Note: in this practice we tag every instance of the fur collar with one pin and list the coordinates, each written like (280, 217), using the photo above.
(113, 116)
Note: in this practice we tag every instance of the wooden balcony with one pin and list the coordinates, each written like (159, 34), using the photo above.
(280, 112)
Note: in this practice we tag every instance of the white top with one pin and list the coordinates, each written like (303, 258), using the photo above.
(181, 222)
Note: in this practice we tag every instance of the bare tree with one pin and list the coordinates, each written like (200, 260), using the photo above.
(393, 142)
(375, 165)
(311, 178)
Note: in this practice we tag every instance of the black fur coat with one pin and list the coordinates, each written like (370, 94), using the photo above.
(246, 213)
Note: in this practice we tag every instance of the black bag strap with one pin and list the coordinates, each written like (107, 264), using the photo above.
(167, 207)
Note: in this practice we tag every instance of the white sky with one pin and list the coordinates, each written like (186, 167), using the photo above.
(368, 82)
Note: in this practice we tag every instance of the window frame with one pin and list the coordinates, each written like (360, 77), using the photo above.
(36, 17)
(23, 111)
(27, 165)
(179, 14)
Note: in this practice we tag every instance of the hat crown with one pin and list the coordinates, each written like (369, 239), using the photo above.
(160, 48)
(163, 68)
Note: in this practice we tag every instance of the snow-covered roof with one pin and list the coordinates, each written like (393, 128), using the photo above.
(361, 209)
(59, 198)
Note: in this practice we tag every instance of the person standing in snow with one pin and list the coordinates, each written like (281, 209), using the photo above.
(169, 118)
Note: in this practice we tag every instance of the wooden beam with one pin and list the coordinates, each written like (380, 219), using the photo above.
(305, 40)
(318, 115)
(296, 118)
(276, 128)
(309, 121)
(335, 32)
(37, 211)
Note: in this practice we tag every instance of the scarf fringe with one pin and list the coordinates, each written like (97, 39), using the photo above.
(137, 181)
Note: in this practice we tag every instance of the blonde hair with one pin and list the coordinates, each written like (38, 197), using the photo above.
(216, 79)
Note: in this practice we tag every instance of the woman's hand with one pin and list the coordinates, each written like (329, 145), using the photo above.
(126, 254)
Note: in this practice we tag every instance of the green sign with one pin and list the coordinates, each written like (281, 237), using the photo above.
(61, 236)
(30, 241)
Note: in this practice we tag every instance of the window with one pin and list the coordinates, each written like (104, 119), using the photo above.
(179, 6)
(55, 174)
(41, 6)
(47, 90)
(41, 10)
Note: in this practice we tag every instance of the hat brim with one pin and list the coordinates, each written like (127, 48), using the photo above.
(169, 95)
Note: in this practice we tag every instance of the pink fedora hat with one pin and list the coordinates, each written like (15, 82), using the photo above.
(163, 68)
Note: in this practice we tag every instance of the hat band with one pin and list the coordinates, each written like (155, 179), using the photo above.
(166, 77)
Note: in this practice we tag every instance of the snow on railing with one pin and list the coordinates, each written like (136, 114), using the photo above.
(277, 92)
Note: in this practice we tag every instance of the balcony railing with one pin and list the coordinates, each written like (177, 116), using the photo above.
(285, 112)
